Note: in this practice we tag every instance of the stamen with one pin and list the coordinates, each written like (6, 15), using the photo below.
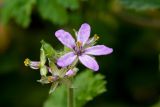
(27, 62)
(96, 37)
(79, 44)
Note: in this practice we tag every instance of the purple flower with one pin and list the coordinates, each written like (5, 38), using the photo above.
(82, 48)
(32, 64)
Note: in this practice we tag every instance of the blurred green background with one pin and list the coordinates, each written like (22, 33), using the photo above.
(130, 27)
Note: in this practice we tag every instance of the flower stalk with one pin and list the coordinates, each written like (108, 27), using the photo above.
(70, 97)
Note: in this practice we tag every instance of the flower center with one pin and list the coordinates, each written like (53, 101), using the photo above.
(78, 49)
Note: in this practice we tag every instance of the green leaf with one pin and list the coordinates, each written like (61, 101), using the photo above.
(19, 10)
(52, 11)
(157, 104)
(86, 91)
(93, 86)
(57, 99)
(72, 4)
(141, 4)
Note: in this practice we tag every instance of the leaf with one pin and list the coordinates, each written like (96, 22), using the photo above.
(93, 86)
(157, 104)
(57, 99)
(141, 4)
(52, 11)
(72, 4)
(19, 10)
(86, 91)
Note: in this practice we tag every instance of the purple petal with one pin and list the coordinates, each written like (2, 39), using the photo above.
(34, 64)
(89, 62)
(65, 38)
(98, 50)
(70, 73)
(84, 33)
(66, 59)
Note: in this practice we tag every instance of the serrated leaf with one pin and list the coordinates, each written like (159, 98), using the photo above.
(141, 4)
(72, 4)
(84, 91)
(19, 10)
(52, 11)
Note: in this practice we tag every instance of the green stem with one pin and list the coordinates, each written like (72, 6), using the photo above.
(70, 99)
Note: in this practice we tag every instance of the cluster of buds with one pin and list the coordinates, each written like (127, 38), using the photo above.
(51, 73)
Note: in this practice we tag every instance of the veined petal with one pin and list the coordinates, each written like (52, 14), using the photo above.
(66, 59)
(84, 33)
(98, 50)
(65, 38)
(89, 62)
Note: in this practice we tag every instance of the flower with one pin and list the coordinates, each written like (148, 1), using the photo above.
(82, 49)
(32, 64)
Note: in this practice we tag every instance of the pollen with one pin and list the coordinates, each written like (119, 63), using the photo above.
(96, 37)
(27, 62)
(79, 44)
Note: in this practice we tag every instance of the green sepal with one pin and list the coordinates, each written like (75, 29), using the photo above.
(44, 80)
(42, 57)
(48, 50)
(53, 87)
(53, 67)
(43, 70)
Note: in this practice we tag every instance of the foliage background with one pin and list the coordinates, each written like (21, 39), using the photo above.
(130, 27)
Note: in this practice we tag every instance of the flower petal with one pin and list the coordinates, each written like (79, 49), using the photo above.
(70, 73)
(98, 50)
(89, 62)
(84, 33)
(66, 59)
(65, 38)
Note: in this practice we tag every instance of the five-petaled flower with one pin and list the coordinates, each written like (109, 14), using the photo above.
(82, 49)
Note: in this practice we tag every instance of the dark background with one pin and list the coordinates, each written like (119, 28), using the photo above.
(131, 70)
